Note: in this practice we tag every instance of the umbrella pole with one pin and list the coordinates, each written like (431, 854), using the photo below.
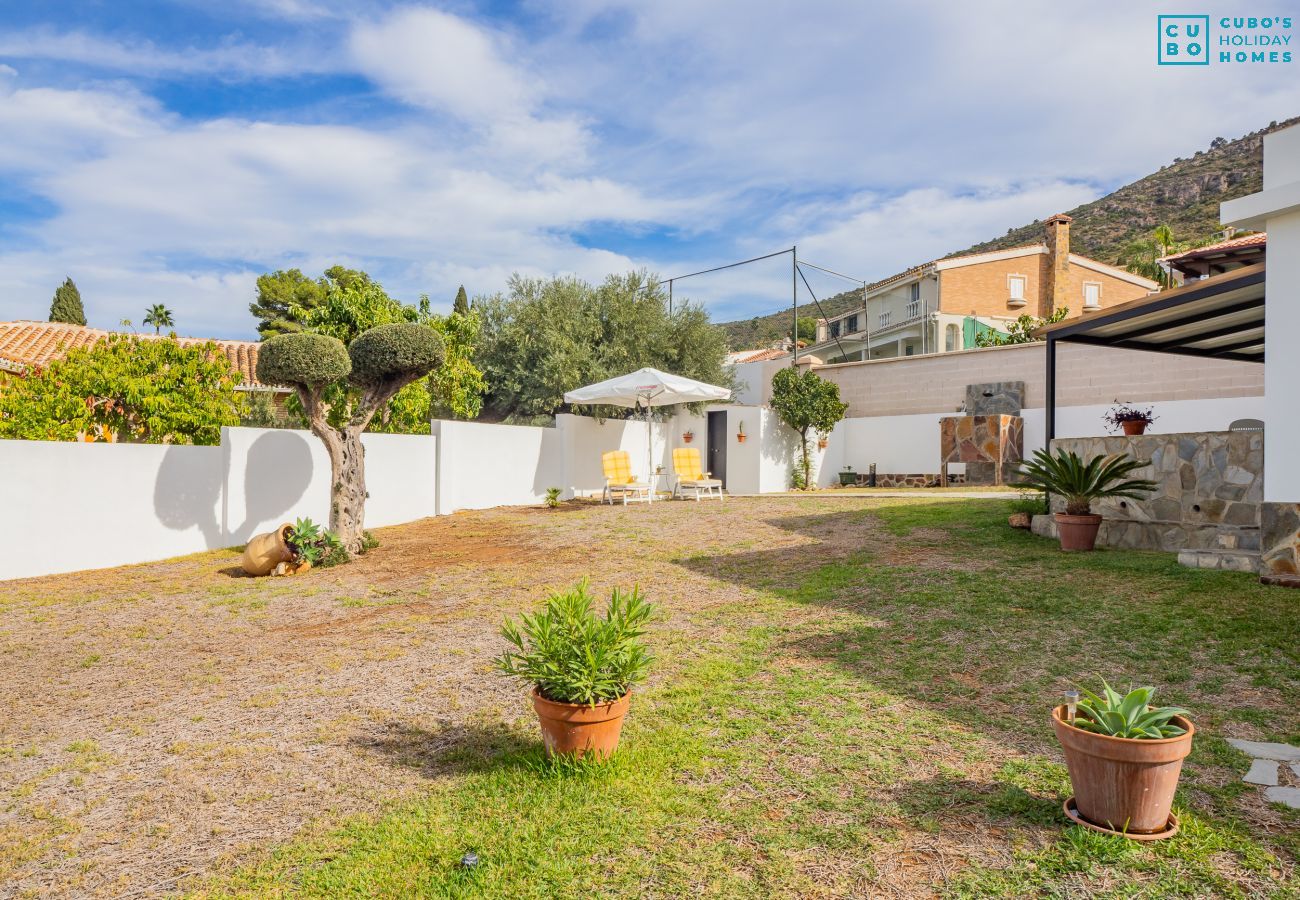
(649, 454)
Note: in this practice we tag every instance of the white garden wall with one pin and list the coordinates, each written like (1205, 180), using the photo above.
(71, 506)
(480, 466)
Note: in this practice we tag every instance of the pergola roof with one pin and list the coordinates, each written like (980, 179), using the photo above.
(1220, 318)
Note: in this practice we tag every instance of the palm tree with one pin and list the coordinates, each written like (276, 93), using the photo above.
(159, 317)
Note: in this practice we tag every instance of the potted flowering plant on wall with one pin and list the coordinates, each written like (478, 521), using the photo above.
(1124, 757)
(1131, 420)
(688, 436)
(582, 666)
(740, 433)
(1079, 483)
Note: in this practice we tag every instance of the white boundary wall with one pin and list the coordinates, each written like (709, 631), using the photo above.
(69, 506)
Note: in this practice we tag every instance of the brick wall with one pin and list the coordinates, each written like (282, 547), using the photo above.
(1085, 376)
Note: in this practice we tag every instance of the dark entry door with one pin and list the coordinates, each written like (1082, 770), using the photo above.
(718, 446)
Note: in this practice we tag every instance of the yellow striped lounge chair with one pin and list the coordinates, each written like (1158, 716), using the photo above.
(619, 478)
(690, 478)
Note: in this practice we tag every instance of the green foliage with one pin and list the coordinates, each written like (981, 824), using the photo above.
(553, 497)
(809, 404)
(1080, 483)
(460, 306)
(259, 411)
(311, 543)
(1129, 716)
(160, 317)
(807, 329)
(399, 350)
(799, 479)
(284, 298)
(456, 389)
(574, 655)
(315, 360)
(1031, 502)
(1021, 331)
(545, 337)
(125, 388)
(66, 306)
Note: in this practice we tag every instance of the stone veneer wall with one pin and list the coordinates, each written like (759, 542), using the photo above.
(990, 446)
(1211, 486)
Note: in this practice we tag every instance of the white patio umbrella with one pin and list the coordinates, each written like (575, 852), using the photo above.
(643, 389)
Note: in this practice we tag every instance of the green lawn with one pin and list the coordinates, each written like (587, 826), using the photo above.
(869, 724)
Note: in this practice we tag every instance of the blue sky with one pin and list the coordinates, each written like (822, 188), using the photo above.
(172, 150)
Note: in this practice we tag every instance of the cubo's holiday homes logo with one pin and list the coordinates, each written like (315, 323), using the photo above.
(1187, 40)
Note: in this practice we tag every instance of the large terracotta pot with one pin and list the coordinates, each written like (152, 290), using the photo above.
(1134, 427)
(1123, 784)
(575, 729)
(1077, 532)
(266, 551)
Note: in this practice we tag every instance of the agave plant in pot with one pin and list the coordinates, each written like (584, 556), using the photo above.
(1124, 757)
(582, 666)
(1079, 483)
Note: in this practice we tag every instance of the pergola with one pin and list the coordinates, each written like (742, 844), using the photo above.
(1216, 318)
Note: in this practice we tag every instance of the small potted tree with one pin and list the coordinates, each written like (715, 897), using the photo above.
(1129, 419)
(1079, 483)
(1124, 757)
(582, 666)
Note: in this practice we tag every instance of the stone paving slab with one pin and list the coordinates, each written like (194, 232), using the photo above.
(1262, 750)
(1287, 796)
(1262, 771)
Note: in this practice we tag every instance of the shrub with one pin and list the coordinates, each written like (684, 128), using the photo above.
(553, 497)
(303, 358)
(574, 655)
(1129, 716)
(398, 349)
(311, 543)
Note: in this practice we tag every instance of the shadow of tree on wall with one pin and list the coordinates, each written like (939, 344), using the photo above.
(189, 491)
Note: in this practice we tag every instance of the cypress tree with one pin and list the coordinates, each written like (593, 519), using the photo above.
(67, 305)
(462, 302)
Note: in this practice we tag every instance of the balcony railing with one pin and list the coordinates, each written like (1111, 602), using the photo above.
(913, 308)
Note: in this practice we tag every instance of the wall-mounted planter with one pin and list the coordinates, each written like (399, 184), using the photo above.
(822, 443)
(688, 437)
(741, 437)
(1134, 427)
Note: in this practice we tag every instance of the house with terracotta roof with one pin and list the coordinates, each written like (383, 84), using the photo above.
(1232, 253)
(31, 345)
(941, 306)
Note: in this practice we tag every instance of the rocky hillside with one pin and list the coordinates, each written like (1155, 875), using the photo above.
(1185, 195)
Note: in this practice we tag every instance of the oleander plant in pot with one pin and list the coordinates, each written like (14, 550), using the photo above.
(1125, 756)
(582, 665)
(1066, 475)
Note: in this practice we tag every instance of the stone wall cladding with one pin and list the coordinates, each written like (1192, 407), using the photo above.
(998, 398)
(1085, 376)
(991, 446)
(1280, 540)
(1210, 489)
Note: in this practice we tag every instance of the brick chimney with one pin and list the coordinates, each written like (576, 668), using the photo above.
(1056, 284)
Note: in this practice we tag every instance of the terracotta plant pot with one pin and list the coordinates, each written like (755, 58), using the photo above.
(741, 437)
(1134, 427)
(1122, 784)
(687, 438)
(266, 551)
(1077, 532)
(1020, 520)
(822, 445)
(575, 729)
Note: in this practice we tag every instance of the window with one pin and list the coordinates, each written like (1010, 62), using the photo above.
(916, 292)
(1016, 289)
(1092, 295)
(851, 324)
(914, 300)
(835, 329)
(950, 338)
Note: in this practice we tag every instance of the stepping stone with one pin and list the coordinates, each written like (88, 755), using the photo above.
(1261, 750)
(1287, 796)
(1262, 771)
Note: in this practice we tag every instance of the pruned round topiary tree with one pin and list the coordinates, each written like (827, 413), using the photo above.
(379, 363)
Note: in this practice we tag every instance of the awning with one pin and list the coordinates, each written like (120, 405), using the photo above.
(1216, 318)
(1220, 318)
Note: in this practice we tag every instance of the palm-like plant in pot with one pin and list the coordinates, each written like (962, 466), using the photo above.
(582, 666)
(1079, 483)
(1124, 757)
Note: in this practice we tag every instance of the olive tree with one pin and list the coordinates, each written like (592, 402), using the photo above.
(377, 364)
(807, 403)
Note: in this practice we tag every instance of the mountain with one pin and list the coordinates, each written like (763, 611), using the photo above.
(1185, 195)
